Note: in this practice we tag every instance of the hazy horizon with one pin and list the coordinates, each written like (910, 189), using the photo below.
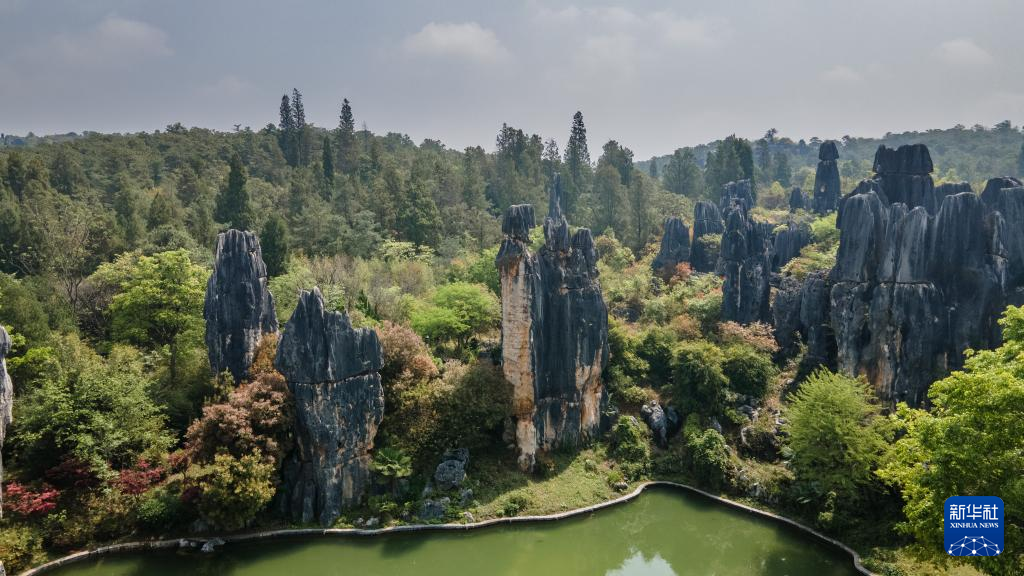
(653, 75)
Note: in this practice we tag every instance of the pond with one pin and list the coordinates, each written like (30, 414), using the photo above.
(663, 532)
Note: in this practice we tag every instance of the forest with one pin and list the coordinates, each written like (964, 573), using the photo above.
(120, 430)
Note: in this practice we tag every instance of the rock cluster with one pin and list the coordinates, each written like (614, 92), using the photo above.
(554, 331)
(239, 309)
(663, 421)
(451, 472)
(332, 370)
(788, 242)
(737, 194)
(675, 246)
(707, 220)
(922, 273)
(826, 179)
(6, 392)
(746, 262)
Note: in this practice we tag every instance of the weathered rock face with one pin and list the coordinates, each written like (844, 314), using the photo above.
(739, 193)
(332, 371)
(554, 332)
(800, 311)
(826, 179)
(6, 389)
(675, 246)
(663, 421)
(239, 309)
(797, 199)
(746, 260)
(707, 220)
(788, 243)
(904, 175)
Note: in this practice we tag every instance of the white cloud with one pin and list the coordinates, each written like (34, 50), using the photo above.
(840, 74)
(467, 40)
(963, 52)
(115, 41)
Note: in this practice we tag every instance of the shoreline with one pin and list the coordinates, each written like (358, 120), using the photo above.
(293, 532)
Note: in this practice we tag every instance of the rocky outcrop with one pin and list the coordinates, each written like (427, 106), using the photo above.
(6, 396)
(239, 309)
(332, 370)
(675, 246)
(707, 221)
(663, 421)
(554, 331)
(797, 200)
(800, 312)
(826, 179)
(451, 472)
(737, 194)
(788, 242)
(746, 261)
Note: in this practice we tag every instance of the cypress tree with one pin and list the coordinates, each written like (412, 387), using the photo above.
(652, 169)
(275, 245)
(233, 200)
(577, 160)
(347, 154)
(286, 133)
(301, 138)
(328, 161)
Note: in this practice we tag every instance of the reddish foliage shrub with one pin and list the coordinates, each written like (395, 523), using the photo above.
(26, 502)
(73, 473)
(406, 357)
(137, 480)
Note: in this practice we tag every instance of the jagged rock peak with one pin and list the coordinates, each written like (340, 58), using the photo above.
(238, 308)
(739, 193)
(789, 240)
(6, 387)
(907, 159)
(555, 198)
(990, 195)
(746, 260)
(320, 345)
(797, 199)
(828, 150)
(707, 220)
(675, 245)
(518, 221)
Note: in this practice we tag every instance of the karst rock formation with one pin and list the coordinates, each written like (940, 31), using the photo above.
(675, 246)
(239, 309)
(332, 370)
(746, 258)
(554, 331)
(826, 179)
(707, 221)
(6, 393)
(922, 273)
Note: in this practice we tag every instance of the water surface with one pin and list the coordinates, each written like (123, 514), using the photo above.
(662, 533)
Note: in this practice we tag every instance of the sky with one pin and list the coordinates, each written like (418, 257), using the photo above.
(654, 75)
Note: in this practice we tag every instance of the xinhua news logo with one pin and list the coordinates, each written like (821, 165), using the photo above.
(973, 526)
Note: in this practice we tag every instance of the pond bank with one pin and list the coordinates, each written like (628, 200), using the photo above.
(301, 532)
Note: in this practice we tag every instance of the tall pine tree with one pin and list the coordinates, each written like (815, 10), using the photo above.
(274, 243)
(233, 201)
(286, 131)
(302, 130)
(577, 161)
(652, 168)
(348, 153)
(328, 161)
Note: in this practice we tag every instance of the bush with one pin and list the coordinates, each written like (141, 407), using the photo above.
(698, 384)
(655, 348)
(634, 396)
(749, 372)
(234, 490)
(758, 335)
(26, 502)
(20, 547)
(625, 366)
(515, 504)
(709, 457)
(630, 446)
(159, 509)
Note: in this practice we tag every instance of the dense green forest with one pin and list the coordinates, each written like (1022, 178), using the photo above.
(120, 429)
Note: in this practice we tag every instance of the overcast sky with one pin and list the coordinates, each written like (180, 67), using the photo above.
(654, 75)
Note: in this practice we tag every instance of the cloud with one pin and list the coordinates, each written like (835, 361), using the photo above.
(963, 52)
(468, 40)
(114, 41)
(843, 75)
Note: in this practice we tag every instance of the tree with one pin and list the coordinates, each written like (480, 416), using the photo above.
(652, 168)
(551, 159)
(327, 161)
(698, 384)
(233, 201)
(971, 443)
(641, 209)
(457, 311)
(275, 245)
(577, 161)
(749, 372)
(348, 152)
(620, 158)
(302, 131)
(782, 171)
(764, 156)
(234, 490)
(834, 436)
(161, 299)
(286, 131)
(391, 464)
(609, 200)
(128, 208)
(682, 175)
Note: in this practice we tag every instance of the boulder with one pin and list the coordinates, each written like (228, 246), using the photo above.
(826, 179)
(675, 246)
(554, 335)
(797, 199)
(433, 510)
(663, 422)
(451, 472)
(332, 370)
(238, 309)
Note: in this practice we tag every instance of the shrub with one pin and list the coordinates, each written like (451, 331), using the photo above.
(20, 547)
(748, 371)
(633, 396)
(630, 446)
(698, 384)
(655, 348)
(625, 364)
(27, 503)
(135, 481)
(234, 490)
(709, 456)
(159, 509)
(515, 504)
(758, 335)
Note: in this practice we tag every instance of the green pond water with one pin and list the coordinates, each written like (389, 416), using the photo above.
(663, 532)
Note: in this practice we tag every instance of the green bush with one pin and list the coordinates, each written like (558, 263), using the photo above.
(698, 384)
(515, 504)
(20, 547)
(630, 446)
(235, 490)
(749, 372)
(634, 396)
(625, 366)
(159, 509)
(709, 457)
(655, 348)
